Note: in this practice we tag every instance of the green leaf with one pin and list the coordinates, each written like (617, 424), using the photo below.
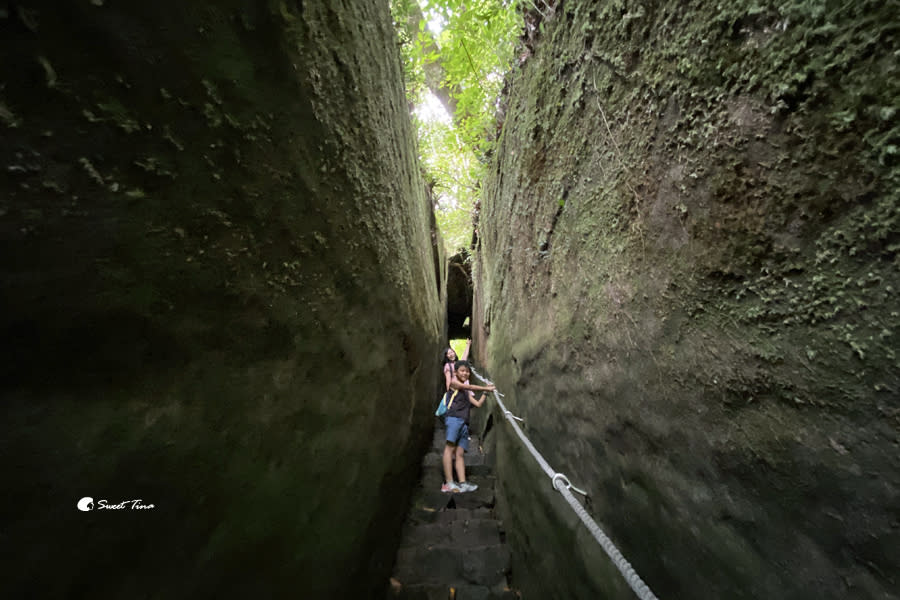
(467, 59)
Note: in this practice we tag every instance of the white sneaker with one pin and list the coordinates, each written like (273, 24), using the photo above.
(465, 486)
(451, 487)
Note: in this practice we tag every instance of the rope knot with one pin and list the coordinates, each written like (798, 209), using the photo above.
(560, 480)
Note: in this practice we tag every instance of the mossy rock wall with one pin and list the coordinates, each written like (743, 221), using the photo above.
(686, 285)
(219, 297)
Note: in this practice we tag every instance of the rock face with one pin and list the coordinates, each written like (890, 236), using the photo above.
(686, 285)
(459, 295)
(219, 297)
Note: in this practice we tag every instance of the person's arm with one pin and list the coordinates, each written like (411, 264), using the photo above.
(465, 354)
(448, 375)
(478, 402)
(456, 384)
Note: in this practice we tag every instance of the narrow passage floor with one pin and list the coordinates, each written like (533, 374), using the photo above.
(453, 546)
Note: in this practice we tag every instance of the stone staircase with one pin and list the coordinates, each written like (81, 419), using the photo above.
(453, 547)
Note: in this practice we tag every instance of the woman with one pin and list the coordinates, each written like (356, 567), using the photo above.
(450, 359)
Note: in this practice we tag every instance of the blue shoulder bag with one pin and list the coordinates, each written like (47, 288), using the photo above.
(445, 404)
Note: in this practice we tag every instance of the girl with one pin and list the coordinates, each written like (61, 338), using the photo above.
(450, 359)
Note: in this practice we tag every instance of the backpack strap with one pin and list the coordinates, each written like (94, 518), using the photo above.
(452, 398)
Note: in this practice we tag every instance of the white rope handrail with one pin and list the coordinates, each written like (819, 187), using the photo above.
(562, 484)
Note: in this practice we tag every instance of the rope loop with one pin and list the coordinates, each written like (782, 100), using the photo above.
(565, 480)
(559, 477)
(508, 414)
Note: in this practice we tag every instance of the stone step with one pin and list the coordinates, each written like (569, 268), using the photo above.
(431, 498)
(430, 495)
(446, 515)
(461, 532)
(470, 514)
(434, 476)
(453, 565)
(483, 497)
(432, 591)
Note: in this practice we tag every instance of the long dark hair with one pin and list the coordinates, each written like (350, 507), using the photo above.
(447, 360)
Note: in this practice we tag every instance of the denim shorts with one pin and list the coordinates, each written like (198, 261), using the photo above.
(457, 432)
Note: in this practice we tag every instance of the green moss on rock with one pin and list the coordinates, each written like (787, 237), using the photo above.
(718, 286)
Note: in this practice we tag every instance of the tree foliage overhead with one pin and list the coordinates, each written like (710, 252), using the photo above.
(455, 56)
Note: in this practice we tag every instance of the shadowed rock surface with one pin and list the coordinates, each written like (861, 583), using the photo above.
(219, 297)
(459, 296)
(686, 285)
